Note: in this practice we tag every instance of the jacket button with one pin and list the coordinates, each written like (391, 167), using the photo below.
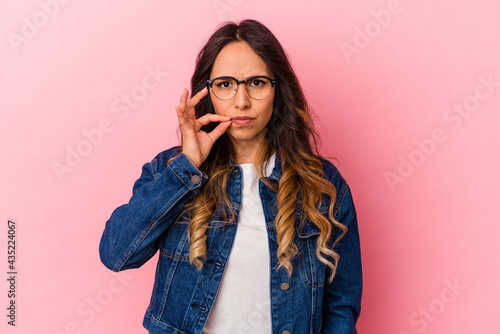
(195, 179)
(285, 286)
(285, 332)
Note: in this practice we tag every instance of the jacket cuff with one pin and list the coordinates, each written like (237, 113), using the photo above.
(184, 169)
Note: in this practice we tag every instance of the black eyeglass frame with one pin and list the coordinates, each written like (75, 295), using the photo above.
(210, 83)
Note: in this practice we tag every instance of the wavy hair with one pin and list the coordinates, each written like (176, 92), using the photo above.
(290, 133)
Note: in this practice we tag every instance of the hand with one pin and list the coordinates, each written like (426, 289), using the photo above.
(196, 144)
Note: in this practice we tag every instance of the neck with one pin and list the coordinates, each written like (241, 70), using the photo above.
(246, 150)
(245, 153)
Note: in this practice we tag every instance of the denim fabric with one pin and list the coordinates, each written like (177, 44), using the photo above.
(183, 296)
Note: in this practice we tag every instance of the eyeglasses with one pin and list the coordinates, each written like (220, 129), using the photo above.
(258, 87)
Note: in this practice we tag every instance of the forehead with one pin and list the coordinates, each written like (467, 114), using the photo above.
(237, 59)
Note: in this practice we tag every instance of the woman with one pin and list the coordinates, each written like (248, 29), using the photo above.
(257, 233)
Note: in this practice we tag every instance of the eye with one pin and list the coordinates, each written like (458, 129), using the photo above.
(258, 83)
(224, 84)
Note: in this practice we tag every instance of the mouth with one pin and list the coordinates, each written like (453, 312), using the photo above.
(242, 120)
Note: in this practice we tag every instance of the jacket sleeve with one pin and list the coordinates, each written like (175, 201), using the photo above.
(130, 235)
(342, 298)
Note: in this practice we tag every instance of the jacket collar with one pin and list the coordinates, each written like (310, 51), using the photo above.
(274, 173)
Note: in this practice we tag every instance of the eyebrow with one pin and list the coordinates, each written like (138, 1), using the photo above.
(251, 76)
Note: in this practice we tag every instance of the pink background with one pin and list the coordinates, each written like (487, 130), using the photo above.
(387, 80)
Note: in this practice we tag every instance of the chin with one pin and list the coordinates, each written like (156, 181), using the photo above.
(242, 136)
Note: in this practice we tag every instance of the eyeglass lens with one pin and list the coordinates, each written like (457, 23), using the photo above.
(258, 88)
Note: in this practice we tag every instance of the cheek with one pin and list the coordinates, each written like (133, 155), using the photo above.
(268, 108)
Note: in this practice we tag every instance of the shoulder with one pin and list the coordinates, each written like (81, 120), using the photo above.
(331, 172)
(344, 204)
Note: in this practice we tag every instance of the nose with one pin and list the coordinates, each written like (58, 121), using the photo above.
(242, 99)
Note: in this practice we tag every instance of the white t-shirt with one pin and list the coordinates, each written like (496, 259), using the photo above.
(242, 304)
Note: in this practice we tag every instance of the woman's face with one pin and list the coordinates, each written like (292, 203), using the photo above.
(250, 117)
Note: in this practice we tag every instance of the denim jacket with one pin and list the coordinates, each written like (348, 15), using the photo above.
(182, 296)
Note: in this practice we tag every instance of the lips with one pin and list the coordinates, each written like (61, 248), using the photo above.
(242, 120)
